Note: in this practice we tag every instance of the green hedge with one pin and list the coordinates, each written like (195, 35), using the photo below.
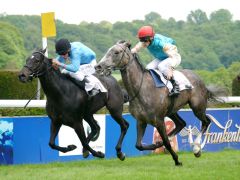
(12, 88)
(41, 111)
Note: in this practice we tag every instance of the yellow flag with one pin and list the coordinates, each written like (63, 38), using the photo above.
(48, 25)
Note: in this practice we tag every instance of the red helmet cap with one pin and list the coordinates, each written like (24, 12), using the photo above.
(145, 31)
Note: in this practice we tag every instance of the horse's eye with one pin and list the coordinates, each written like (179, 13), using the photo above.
(116, 52)
(37, 60)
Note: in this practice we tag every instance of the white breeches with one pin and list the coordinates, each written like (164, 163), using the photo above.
(86, 71)
(167, 64)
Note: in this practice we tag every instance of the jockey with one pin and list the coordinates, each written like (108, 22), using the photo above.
(82, 61)
(164, 50)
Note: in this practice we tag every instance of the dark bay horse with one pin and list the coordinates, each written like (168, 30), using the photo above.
(149, 105)
(68, 104)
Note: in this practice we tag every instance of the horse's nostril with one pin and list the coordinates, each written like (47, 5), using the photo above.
(21, 77)
(98, 68)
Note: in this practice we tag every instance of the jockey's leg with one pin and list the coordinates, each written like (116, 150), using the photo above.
(153, 64)
(167, 66)
(176, 90)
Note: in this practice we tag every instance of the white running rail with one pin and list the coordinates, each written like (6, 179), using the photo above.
(42, 103)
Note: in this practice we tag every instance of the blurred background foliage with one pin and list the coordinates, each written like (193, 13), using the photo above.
(209, 45)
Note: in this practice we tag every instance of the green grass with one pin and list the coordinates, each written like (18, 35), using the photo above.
(212, 166)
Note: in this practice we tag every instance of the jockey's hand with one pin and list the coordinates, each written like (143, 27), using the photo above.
(55, 64)
(169, 74)
(133, 50)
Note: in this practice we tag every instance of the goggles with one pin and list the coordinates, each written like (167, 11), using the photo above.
(144, 39)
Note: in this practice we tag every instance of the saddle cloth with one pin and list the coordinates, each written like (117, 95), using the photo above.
(161, 81)
(86, 71)
(94, 83)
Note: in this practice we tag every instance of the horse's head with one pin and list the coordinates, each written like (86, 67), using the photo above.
(117, 57)
(34, 66)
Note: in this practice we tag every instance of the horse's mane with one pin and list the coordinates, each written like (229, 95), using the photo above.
(135, 55)
(137, 58)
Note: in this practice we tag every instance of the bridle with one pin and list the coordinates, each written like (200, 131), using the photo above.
(125, 65)
(124, 68)
(38, 73)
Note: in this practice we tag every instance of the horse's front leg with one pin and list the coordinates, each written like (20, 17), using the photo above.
(124, 127)
(78, 127)
(162, 131)
(141, 127)
(53, 133)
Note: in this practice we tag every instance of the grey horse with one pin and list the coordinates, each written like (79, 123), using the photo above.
(149, 105)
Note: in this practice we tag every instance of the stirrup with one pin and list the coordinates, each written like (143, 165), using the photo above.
(174, 92)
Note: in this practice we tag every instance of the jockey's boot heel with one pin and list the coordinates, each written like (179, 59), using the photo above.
(176, 90)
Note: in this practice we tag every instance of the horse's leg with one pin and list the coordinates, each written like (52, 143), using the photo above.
(54, 131)
(205, 123)
(179, 124)
(78, 127)
(199, 110)
(141, 127)
(117, 116)
(162, 131)
(94, 130)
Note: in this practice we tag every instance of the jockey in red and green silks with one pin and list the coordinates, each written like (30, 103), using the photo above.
(163, 49)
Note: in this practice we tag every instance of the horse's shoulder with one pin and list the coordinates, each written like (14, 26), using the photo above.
(105, 79)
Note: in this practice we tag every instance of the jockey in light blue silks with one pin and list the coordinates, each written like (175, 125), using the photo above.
(164, 50)
(81, 66)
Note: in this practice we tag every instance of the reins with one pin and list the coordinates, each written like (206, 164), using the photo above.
(38, 74)
(124, 68)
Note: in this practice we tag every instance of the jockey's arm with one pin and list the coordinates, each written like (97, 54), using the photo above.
(170, 50)
(137, 47)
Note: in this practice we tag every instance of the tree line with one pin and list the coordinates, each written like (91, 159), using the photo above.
(207, 44)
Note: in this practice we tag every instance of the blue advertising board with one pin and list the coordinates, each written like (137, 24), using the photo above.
(25, 139)
(223, 132)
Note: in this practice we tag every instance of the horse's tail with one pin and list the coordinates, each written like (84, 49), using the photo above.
(215, 93)
(125, 95)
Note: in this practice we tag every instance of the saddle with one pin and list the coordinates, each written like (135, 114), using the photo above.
(160, 80)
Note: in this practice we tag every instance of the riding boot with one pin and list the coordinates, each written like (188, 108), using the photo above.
(175, 91)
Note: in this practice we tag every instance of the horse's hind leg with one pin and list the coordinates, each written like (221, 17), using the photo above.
(179, 124)
(200, 113)
(95, 129)
(54, 131)
(117, 116)
(78, 127)
(162, 131)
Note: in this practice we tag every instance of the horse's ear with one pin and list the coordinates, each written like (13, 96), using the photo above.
(44, 50)
(121, 41)
(127, 44)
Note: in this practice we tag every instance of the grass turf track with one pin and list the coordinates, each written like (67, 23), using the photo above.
(211, 165)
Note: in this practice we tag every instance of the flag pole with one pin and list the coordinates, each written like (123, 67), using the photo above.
(48, 30)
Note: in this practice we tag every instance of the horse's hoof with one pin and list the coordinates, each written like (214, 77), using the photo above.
(121, 156)
(100, 154)
(178, 164)
(71, 147)
(198, 154)
(85, 154)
